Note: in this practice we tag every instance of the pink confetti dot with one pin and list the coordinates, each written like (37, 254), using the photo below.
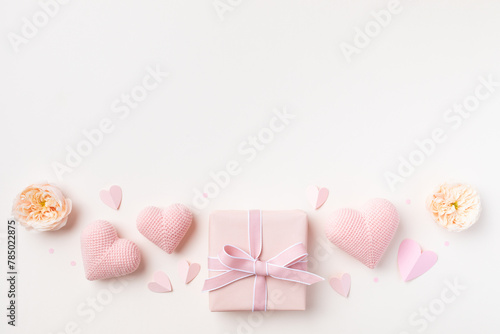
(408, 201)
(205, 195)
(51, 251)
(446, 243)
(375, 279)
(73, 263)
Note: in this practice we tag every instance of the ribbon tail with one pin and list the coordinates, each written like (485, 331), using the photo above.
(294, 275)
(220, 281)
(260, 294)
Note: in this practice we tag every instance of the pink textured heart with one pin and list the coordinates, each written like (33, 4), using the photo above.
(342, 285)
(105, 255)
(112, 197)
(161, 283)
(165, 227)
(412, 261)
(317, 196)
(364, 234)
(188, 271)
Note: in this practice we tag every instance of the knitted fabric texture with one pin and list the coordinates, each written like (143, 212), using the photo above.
(165, 227)
(364, 234)
(105, 255)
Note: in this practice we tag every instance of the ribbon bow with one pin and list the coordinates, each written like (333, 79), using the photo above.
(236, 264)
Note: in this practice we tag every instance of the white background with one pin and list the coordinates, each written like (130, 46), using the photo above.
(352, 122)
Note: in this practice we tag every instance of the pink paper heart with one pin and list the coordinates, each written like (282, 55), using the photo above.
(342, 285)
(188, 271)
(412, 261)
(112, 197)
(104, 254)
(317, 196)
(364, 234)
(161, 283)
(165, 227)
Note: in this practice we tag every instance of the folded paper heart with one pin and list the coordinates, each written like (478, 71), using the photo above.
(412, 261)
(364, 234)
(317, 196)
(161, 283)
(188, 271)
(165, 227)
(112, 197)
(341, 285)
(105, 255)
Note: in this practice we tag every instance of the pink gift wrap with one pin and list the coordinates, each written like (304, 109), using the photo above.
(280, 230)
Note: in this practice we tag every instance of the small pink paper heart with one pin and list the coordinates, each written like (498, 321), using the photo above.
(188, 271)
(112, 197)
(412, 261)
(317, 196)
(342, 285)
(161, 283)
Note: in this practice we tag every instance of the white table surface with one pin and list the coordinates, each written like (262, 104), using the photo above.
(352, 121)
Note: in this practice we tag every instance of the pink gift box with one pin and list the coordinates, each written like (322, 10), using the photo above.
(279, 230)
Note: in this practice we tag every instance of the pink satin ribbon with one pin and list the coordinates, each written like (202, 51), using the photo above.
(236, 264)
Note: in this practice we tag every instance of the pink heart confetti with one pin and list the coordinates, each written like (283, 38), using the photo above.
(317, 196)
(161, 283)
(188, 271)
(412, 261)
(112, 197)
(342, 285)
(51, 250)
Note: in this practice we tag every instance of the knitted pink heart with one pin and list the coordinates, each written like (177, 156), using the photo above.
(364, 234)
(165, 227)
(105, 255)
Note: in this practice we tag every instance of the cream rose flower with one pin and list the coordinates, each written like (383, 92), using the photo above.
(455, 207)
(41, 207)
